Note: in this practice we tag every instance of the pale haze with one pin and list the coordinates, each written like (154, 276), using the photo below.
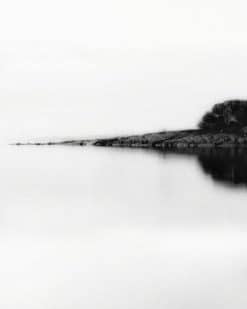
(100, 228)
(84, 68)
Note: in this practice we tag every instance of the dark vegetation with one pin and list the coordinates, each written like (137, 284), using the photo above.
(230, 115)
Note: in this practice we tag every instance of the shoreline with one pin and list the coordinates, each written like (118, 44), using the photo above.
(184, 139)
(179, 140)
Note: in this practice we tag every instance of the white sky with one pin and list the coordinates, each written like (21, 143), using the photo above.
(79, 68)
(105, 67)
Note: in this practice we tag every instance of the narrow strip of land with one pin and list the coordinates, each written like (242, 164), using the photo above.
(164, 140)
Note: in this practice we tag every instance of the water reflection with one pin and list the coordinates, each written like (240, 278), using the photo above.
(228, 166)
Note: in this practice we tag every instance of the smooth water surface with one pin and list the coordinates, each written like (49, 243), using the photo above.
(95, 228)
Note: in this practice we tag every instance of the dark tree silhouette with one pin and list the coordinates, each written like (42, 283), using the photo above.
(227, 115)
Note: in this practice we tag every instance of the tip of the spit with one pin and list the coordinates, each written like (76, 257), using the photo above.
(32, 144)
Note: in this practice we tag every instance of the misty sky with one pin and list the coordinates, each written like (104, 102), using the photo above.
(85, 68)
(109, 229)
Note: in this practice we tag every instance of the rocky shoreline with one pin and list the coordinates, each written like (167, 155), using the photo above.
(184, 139)
(225, 126)
(179, 139)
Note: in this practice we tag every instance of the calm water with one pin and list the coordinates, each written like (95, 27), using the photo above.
(109, 228)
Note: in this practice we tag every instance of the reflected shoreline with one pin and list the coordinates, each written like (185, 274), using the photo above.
(228, 166)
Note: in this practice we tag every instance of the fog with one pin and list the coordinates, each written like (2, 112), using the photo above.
(100, 228)
(86, 68)
(105, 228)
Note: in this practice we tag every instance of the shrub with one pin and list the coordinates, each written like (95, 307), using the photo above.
(229, 114)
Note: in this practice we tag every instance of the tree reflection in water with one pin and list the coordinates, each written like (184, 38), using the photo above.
(227, 165)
